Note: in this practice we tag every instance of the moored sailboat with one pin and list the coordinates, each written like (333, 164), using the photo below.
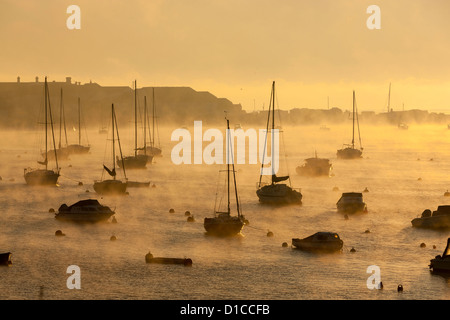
(349, 151)
(136, 161)
(152, 150)
(112, 186)
(275, 192)
(223, 224)
(78, 148)
(45, 176)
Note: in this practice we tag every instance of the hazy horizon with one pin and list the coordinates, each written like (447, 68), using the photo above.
(315, 51)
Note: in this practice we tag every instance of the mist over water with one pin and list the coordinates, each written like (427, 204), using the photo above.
(251, 266)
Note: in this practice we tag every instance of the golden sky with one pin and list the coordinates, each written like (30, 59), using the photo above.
(313, 49)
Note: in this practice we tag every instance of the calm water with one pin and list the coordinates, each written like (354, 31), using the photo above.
(252, 266)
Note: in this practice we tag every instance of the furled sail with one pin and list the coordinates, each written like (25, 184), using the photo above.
(278, 179)
(111, 173)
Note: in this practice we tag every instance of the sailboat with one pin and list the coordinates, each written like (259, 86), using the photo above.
(349, 151)
(45, 176)
(275, 192)
(223, 224)
(112, 186)
(152, 150)
(78, 148)
(137, 161)
(62, 152)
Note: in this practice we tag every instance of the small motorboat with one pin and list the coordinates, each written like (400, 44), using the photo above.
(315, 167)
(89, 210)
(320, 241)
(351, 202)
(184, 261)
(441, 263)
(5, 259)
(439, 219)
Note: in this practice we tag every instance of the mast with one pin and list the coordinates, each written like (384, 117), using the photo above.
(353, 135)
(145, 124)
(79, 122)
(234, 177)
(113, 143)
(267, 133)
(60, 118)
(53, 132)
(273, 130)
(228, 167)
(45, 112)
(120, 148)
(389, 99)
(135, 118)
(153, 120)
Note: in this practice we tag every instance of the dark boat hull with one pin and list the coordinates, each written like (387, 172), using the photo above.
(278, 194)
(110, 187)
(310, 171)
(320, 246)
(152, 151)
(41, 177)
(434, 222)
(440, 264)
(349, 153)
(352, 208)
(5, 258)
(134, 162)
(220, 227)
(83, 217)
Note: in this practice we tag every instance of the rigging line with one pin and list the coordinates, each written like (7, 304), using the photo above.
(265, 141)
(283, 141)
(357, 121)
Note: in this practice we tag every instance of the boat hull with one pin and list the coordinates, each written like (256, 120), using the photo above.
(161, 260)
(41, 177)
(310, 171)
(349, 153)
(5, 259)
(323, 246)
(278, 194)
(440, 264)
(83, 217)
(134, 162)
(223, 227)
(152, 151)
(110, 187)
(434, 222)
(352, 208)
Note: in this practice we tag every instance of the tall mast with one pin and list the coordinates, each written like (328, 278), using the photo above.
(135, 118)
(353, 136)
(145, 124)
(60, 118)
(273, 130)
(234, 175)
(228, 165)
(153, 120)
(267, 133)
(53, 132)
(113, 143)
(45, 112)
(79, 122)
(389, 99)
